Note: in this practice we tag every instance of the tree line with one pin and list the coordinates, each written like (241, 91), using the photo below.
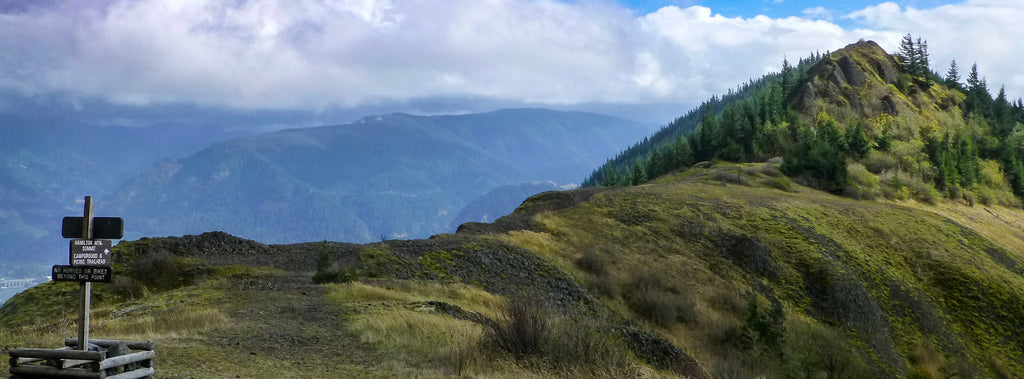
(756, 123)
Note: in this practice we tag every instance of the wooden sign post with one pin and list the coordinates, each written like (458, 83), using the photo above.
(89, 258)
(85, 287)
(90, 262)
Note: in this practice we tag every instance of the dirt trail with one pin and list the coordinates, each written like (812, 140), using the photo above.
(285, 322)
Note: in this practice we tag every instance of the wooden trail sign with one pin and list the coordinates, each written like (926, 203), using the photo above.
(90, 252)
(63, 273)
(89, 258)
(102, 228)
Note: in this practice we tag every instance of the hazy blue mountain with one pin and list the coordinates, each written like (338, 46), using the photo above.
(390, 176)
(500, 201)
(48, 165)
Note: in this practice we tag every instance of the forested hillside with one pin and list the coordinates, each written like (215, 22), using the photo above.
(47, 165)
(857, 122)
(382, 177)
(712, 270)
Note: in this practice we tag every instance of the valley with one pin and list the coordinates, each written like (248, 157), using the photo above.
(851, 216)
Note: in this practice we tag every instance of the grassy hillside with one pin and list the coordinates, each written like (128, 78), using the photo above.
(725, 271)
(905, 131)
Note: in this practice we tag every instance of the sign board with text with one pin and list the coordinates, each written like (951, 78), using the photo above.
(63, 273)
(102, 227)
(90, 252)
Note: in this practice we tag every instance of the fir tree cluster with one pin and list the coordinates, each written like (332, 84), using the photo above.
(755, 123)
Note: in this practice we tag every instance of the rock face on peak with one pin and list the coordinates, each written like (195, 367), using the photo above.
(866, 81)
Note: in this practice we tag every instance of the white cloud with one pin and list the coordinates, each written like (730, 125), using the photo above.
(987, 31)
(312, 54)
(818, 13)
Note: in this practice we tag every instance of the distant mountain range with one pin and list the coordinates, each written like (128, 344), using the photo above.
(47, 165)
(388, 176)
(382, 177)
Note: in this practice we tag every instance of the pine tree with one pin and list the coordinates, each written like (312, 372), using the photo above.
(787, 77)
(953, 76)
(973, 82)
(1002, 115)
(908, 52)
(857, 144)
(921, 65)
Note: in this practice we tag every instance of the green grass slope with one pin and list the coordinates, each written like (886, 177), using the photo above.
(723, 271)
(910, 289)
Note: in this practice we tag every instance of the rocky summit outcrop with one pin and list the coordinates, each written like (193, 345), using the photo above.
(865, 81)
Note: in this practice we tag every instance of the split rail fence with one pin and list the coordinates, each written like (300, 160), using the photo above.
(66, 362)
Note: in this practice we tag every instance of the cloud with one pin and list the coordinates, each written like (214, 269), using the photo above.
(316, 54)
(818, 13)
(986, 31)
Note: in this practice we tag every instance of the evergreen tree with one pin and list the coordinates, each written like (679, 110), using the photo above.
(967, 161)
(908, 52)
(922, 66)
(1003, 120)
(953, 76)
(818, 154)
(973, 81)
(787, 78)
(979, 101)
(857, 144)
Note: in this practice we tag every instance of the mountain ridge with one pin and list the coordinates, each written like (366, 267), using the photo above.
(386, 176)
(711, 269)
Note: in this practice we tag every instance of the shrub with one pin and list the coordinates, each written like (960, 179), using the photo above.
(893, 188)
(954, 192)
(819, 351)
(128, 288)
(878, 162)
(764, 326)
(336, 276)
(605, 286)
(969, 198)
(863, 185)
(922, 191)
(779, 182)
(326, 273)
(521, 328)
(652, 298)
(584, 343)
(985, 195)
(593, 263)
(734, 177)
(160, 270)
(772, 169)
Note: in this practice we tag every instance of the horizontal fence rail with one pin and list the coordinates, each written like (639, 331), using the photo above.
(66, 362)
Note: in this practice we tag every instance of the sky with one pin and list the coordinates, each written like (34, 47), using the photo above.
(646, 59)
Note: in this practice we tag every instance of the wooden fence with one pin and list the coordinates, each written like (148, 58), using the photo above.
(18, 283)
(68, 363)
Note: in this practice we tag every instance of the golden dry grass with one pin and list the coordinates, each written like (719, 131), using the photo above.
(463, 295)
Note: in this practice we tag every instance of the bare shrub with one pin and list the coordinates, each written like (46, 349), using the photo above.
(593, 262)
(520, 329)
(922, 191)
(863, 185)
(955, 192)
(779, 182)
(653, 299)
(128, 288)
(819, 351)
(605, 285)
(583, 343)
(878, 162)
(733, 177)
(160, 270)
